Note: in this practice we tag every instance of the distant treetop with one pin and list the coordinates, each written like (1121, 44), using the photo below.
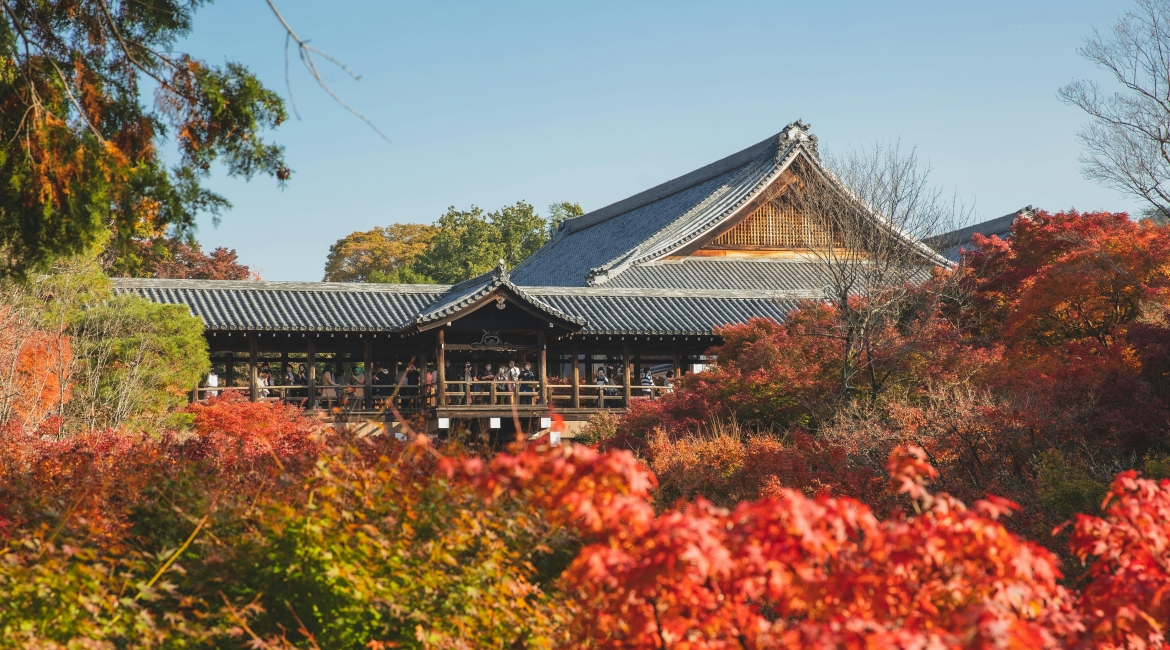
(460, 245)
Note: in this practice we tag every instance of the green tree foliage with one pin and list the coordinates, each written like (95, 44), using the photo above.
(472, 242)
(134, 360)
(558, 212)
(142, 359)
(460, 245)
(82, 153)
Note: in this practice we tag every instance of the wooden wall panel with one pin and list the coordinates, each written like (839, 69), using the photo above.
(774, 225)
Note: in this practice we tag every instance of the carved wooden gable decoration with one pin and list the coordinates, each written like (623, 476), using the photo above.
(774, 225)
(772, 228)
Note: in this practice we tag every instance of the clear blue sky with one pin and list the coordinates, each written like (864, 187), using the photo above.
(488, 103)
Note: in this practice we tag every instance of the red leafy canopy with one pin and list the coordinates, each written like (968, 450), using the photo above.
(788, 571)
(1127, 600)
(175, 258)
(1068, 276)
(231, 431)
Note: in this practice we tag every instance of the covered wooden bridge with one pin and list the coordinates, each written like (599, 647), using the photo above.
(414, 344)
(641, 284)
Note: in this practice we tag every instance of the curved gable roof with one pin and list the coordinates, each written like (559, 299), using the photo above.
(598, 247)
(590, 248)
(470, 294)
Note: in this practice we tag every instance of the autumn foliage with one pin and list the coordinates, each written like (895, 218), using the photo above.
(766, 506)
(172, 257)
(328, 540)
(794, 571)
(1037, 369)
(1126, 602)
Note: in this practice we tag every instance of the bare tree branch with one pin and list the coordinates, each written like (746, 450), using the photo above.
(865, 214)
(306, 53)
(1128, 142)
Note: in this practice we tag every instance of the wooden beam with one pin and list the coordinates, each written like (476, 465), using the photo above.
(421, 363)
(283, 368)
(507, 347)
(576, 378)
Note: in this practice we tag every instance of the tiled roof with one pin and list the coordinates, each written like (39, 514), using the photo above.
(607, 271)
(600, 247)
(468, 292)
(673, 312)
(290, 306)
(736, 274)
(948, 245)
(569, 257)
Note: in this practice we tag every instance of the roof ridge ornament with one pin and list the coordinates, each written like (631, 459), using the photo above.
(502, 271)
(799, 132)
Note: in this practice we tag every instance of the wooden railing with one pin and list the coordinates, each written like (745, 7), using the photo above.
(495, 392)
(412, 397)
(350, 396)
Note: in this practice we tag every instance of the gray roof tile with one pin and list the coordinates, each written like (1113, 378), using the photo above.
(665, 314)
(619, 250)
(290, 306)
(468, 292)
(567, 260)
(599, 247)
(284, 306)
(700, 273)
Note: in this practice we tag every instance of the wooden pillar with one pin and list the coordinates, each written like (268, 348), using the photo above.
(194, 397)
(441, 369)
(626, 370)
(576, 403)
(311, 354)
(368, 374)
(421, 364)
(543, 376)
(637, 373)
(229, 370)
(252, 378)
(677, 365)
(466, 387)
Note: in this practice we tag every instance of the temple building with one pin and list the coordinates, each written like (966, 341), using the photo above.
(639, 287)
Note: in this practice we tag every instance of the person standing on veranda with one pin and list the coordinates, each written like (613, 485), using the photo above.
(329, 387)
(359, 384)
(526, 375)
(513, 375)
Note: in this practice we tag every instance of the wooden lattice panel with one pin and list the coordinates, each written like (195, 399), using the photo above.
(775, 225)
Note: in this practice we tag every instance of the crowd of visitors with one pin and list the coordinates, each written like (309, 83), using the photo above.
(498, 385)
(344, 385)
